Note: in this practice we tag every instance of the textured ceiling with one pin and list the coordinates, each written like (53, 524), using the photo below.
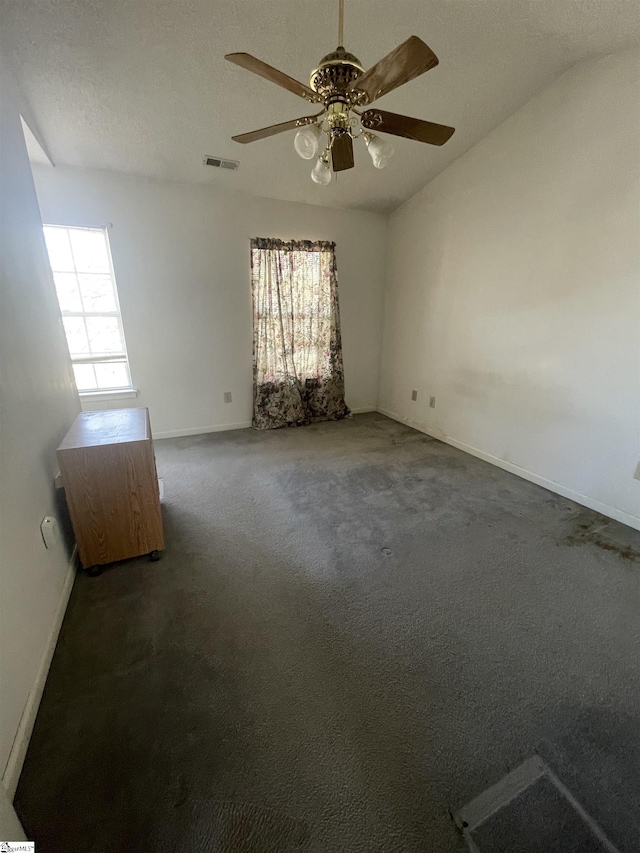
(141, 86)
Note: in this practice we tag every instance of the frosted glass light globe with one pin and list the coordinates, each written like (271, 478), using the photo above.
(321, 172)
(307, 141)
(380, 150)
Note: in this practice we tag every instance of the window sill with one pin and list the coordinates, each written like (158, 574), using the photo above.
(97, 396)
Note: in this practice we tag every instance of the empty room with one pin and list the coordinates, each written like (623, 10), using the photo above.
(320, 426)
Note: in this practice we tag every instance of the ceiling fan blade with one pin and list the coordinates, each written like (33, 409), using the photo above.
(411, 128)
(245, 60)
(410, 59)
(342, 153)
(275, 128)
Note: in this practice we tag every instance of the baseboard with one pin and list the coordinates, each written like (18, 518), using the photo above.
(407, 421)
(605, 509)
(28, 719)
(180, 433)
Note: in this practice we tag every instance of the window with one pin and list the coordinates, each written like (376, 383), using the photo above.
(81, 265)
(292, 291)
(298, 377)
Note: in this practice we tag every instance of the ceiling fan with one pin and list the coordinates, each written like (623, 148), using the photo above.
(345, 89)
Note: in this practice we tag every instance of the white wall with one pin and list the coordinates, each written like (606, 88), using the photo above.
(513, 293)
(38, 404)
(10, 827)
(181, 259)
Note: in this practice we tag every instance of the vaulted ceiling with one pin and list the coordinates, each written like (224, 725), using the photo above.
(142, 87)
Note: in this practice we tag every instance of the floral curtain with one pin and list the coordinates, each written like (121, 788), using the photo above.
(298, 376)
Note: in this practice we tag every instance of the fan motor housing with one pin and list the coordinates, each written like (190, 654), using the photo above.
(335, 72)
(337, 115)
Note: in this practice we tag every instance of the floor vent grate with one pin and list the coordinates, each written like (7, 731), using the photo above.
(530, 811)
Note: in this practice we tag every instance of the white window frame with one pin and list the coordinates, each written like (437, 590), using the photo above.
(120, 392)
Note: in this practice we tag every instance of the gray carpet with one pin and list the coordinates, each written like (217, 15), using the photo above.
(353, 630)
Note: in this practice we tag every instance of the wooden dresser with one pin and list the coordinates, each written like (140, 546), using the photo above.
(108, 470)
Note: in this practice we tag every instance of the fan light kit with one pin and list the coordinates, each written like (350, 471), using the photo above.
(345, 89)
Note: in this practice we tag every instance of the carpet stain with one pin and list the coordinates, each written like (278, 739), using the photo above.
(593, 529)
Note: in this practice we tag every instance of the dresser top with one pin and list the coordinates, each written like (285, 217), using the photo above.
(113, 426)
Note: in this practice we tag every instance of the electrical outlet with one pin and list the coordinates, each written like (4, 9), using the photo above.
(432, 402)
(414, 396)
(227, 396)
(49, 530)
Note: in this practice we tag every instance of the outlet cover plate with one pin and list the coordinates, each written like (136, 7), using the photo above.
(49, 530)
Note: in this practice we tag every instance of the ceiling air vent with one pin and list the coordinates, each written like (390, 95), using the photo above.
(220, 163)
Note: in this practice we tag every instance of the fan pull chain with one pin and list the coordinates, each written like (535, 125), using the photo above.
(340, 23)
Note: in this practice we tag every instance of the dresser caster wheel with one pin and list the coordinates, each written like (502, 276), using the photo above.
(154, 556)
(94, 571)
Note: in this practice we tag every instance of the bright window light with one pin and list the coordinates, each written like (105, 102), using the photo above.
(81, 265)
